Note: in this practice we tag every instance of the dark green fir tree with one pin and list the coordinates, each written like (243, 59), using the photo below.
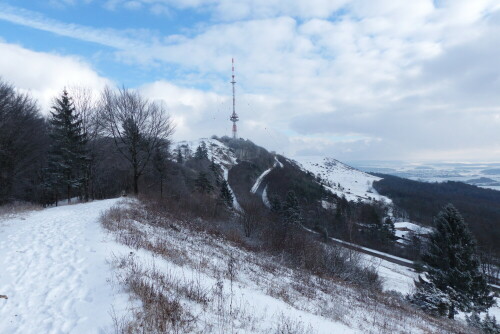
(453, 269)
(68, 154)
(225, 194)
(202, 183)
(201, 151)
(179, 157)
(216, 171)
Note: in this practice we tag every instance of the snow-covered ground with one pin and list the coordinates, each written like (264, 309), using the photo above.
(244, 292)
(54, 273)
(404, 229)
(343, 179)
(60, 269)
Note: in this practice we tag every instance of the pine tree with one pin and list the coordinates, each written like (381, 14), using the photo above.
(216, 171)
(384, 231)
(429, 298)
(68, 155)
(291, 209)
(202, 183)
(225, 194)
(453, 266)
(180, 159)
(201, 151)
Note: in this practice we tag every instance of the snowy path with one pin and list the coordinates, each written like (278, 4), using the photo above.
(53, 270)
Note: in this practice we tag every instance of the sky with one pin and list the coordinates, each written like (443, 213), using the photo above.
(351, 79)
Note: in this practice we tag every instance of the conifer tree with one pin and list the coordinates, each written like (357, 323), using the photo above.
(202, 183)
(216, 171)
(384, 230)
(67, 156)
(453, 266)
(180, 159)
(225, 194)
(201, 151)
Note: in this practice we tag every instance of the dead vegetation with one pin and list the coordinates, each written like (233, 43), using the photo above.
(199, 290)
(13, 209)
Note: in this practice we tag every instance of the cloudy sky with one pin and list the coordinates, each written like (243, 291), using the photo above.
(357, 80)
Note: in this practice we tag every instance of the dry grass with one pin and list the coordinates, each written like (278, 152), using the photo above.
(172, 305)
(14, 209)
(160, 296)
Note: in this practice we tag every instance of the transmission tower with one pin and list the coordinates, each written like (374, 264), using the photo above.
(234, 117)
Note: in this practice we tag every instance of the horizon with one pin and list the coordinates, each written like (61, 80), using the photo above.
(353, 80)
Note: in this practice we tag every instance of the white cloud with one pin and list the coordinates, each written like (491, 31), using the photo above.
(44, 75)
(404, 78)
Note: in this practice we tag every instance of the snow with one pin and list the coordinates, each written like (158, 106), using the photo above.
(343, 180)
(413, 227)
(57, 271)
(259, 180)
(54, 271)
(327, 205)
(404, 228)
(262, 292)
(394, 277)
(221, 154)
(278, 163)
(265, 198)
(249, 292)
(236, 205)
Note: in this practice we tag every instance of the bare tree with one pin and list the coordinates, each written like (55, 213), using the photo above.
(23, 137)
(86, 104)
(137, 125)
(251, 215)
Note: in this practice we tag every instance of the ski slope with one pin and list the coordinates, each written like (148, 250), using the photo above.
(54, 271)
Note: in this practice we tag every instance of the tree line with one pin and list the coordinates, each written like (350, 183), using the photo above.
(89, 146)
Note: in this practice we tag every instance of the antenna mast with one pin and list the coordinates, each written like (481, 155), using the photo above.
(234, 117)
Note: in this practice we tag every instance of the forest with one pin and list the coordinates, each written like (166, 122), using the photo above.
(90, 146)
(421, 201)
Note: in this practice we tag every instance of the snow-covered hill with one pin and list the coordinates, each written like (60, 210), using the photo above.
(342, 179)
(218, 152)
(216, 149)
(339, 178)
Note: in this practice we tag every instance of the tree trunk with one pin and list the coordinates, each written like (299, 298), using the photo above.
(161, 187)
(451, 313)
(69, 194)
(136, 184)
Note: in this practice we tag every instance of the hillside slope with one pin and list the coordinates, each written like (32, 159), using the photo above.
(218, 287)
(343, 180)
